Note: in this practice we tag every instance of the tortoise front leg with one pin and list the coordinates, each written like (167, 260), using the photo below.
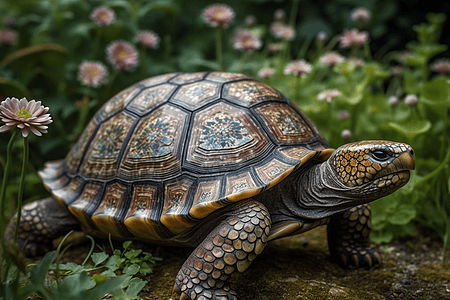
(228, 250)
(348, 238)
(40, 223)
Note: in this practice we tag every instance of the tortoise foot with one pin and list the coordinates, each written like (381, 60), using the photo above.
(193, 288)
(40, 223)
(353, 257)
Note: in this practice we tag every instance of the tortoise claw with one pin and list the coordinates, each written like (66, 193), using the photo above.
(183, 296)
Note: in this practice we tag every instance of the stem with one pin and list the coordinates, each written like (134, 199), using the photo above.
(5, 258)
(109, 87)
(143, 60)
(219, 56)
(244, 59)
(297, 89)
(294, 11)
(21, 187)
(6, 175)
(304, 48)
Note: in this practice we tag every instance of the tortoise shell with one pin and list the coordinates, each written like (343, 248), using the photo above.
(168, 151)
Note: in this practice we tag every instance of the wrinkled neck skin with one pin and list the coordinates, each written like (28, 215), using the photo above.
(309, 194)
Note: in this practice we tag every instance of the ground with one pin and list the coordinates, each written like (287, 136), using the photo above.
(299, 268)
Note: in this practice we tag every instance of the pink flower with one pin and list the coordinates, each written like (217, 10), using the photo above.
(331, 58)
(298, 68)
(396, 70)
(218, 15)
(266, 73)
(279, 15)
(322, 37)
(122, 55)
(353, 38)
(92, 73)
(8, 37)
(25, 116)
(361, 14)
(328, 95)
(246, 41)
(103, 16)
(276, 47)
(357, 61)
(393, 101)
(250, 21)
(403, 55)
(344, 115)
(411, 100)
(147, 38)
(283, 31)
(9, 21)
(346, 134)
(441, 66)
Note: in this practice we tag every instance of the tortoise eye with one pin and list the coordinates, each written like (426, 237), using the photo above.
(380, 155)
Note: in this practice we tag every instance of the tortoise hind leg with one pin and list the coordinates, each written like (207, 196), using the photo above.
(348, 238)
(40, 223)
(228, 250)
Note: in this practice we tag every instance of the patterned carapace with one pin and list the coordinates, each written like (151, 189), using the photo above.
(169, 150)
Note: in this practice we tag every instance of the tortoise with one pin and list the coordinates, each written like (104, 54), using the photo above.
(220, 162)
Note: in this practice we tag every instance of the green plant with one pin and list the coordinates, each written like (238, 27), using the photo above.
(113, 274)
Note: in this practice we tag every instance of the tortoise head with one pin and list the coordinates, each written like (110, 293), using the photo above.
(372, 169)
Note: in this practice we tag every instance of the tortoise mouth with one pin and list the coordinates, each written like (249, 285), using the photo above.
(394, 179)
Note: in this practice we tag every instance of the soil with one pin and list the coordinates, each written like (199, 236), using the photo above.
(299, 267)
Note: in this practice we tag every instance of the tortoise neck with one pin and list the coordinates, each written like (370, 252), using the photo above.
(320, 194)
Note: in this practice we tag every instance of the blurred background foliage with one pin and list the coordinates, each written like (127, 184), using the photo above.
(55, 37)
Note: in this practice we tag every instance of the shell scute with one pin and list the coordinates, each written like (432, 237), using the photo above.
(174, 213)
(188, 78)
(224, 135)
(118, 102)
(249, 92)
(91, 194)
(194, 95)
(103, 153)
(205, 198)
(285, 124)
(149, 98)
(107, 216)
(142, 218)
(154, 148)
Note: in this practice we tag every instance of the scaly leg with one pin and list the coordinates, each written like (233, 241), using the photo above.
(348, 238)
(228, 250)
(40, 223)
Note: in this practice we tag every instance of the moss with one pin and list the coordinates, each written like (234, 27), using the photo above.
(435, 272)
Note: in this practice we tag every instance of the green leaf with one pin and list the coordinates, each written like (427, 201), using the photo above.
(75, 285)
(39, 272)
(131, 269)
(405, 214)
(374, 71)
(415, 60)
(145, 268)
(437, 92)
(381, 236)
(411, 127)
(346, 68)
(134, 287)
(112, 263)
(126, 244)
(132, 253)
(79, 286)
(99, 257)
